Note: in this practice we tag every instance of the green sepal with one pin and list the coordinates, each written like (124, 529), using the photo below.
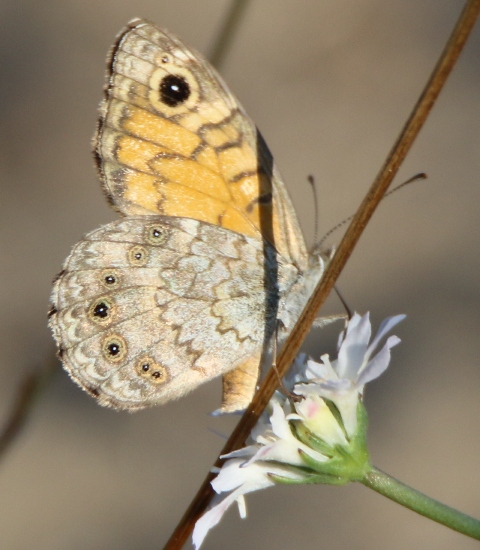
(308, 438)
(344, 464)
(310, 479)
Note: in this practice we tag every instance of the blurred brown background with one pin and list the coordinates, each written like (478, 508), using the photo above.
(330, 84)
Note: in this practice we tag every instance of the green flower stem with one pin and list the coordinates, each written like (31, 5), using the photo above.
(420, 503)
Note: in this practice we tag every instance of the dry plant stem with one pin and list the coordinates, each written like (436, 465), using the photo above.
(227, 33)
(27, 392)
(399, 151)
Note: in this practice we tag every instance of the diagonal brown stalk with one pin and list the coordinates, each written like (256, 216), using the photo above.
(388, 171)
(27, 394)
(227, 33)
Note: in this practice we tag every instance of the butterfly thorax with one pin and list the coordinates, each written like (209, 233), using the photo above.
(295, 299)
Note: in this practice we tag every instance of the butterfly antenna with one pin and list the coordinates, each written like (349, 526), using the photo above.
(416, 177)
(311, 181)
(344, 302)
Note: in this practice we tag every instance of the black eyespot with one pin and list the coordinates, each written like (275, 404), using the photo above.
(138, 256)
(109, 278)
(157, 234)
(114, 349)
(151, 371)
(101, 310)
(174, 90)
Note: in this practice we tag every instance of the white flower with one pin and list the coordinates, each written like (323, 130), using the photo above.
(281, 452)
(276, 442)
(275, 453)
(342, 381)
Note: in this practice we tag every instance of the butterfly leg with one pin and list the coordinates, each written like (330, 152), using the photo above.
(321, 322)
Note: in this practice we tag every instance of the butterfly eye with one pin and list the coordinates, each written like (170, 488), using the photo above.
(174, 90)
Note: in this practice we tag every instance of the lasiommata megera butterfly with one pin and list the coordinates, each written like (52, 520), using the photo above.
(208, 265)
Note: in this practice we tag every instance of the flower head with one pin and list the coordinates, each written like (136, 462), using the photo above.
(319, 438)
(342, 381)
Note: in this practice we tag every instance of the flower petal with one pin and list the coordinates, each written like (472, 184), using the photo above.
(378, 365)
(385, 326)
(280, 426)
(249, 479)
(209, 520)
(323, 370)
(352, 351)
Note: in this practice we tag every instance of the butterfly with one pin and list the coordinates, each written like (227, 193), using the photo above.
(207, 268)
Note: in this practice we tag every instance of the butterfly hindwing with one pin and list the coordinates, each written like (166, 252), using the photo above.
(177, 294)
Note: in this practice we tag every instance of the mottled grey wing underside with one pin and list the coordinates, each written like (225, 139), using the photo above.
(148, 308)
